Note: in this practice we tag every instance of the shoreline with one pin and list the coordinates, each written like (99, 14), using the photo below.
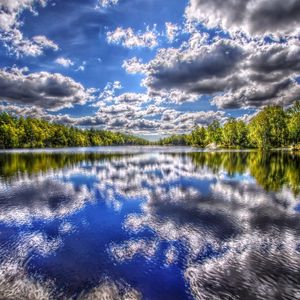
(139, 149)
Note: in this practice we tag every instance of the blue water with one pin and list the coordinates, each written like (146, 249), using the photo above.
(147, 224)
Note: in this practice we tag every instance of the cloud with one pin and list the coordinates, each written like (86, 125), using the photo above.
(132, 98)
(44, 42)
(193, 70)
(237, 73)
(254, 95)
(11, 10)
(108, 93)
(129, 39)
(172, 31)
(106, 3)
(133, 65)
(65, 62)
(11, 35)
(45, 90)
(132, 117)
(254, 17)
(268, 75)
(82, 66)
(17, 44)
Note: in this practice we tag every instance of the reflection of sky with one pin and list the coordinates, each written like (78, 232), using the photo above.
(149, 224)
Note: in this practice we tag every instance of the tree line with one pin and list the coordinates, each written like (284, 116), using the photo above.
(273, 127)
(35, 133)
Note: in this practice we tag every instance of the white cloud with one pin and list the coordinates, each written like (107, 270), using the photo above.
(237, 73)
(133, 65)
(44, 42)
(172, 31)
(65, 62)
(106, 3)
(82, 66)
(129, 39)
(10, 33)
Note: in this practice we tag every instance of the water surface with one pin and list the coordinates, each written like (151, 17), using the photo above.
(149, 223)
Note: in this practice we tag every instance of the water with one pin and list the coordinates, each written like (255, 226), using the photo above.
(149, 223)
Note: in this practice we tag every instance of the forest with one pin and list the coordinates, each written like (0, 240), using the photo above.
(34, 133)
(272, 127)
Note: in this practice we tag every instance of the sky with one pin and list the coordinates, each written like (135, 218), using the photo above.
(147, 67)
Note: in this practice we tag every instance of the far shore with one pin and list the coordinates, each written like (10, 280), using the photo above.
(141, 148)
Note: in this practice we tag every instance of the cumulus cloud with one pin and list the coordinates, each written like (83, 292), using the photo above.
(133, 65)
(254, 17)
(109, 92)
(130, 39)
(237, 73)
(132, 98)
(17, 44)
(46, 90)
(194, 70)
(10, 11)
(11, 35)
(172, 30)
(134, 118)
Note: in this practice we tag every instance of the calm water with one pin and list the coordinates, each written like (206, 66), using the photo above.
(145, 223)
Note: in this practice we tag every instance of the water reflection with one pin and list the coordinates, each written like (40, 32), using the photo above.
(150, 225)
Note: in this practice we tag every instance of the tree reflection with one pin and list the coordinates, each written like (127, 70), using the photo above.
(12, 164)
(271, 170)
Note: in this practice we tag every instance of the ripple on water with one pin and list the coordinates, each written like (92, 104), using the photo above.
(172, 226)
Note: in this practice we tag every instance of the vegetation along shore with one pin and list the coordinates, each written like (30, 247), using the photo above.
(272, 127)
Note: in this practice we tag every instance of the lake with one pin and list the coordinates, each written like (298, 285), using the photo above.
(149, 223)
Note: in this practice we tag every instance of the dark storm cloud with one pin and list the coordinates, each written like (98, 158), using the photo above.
(254, 17)
(260, 94)
(190, 68)
(276, 58)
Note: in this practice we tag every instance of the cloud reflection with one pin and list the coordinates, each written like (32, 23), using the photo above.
(192, 204)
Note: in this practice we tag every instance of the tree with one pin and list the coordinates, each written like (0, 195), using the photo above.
(214, 133)
(294, 123)
(198, 137)
(235, 134)
(269, 128)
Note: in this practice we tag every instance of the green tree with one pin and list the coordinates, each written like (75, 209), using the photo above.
(294, 123)
(198, 137)
(269, 128)
(235, 134)
(214, 133)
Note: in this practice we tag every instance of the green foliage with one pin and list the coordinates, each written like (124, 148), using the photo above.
(214, 133)
(235, 134)
(175, 140)
(269, 128)
(273, 170)
(293, 124)
(272, 127)
(198, 137)
(34, 133)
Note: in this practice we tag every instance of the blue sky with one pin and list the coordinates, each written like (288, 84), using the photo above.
(147, 67)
